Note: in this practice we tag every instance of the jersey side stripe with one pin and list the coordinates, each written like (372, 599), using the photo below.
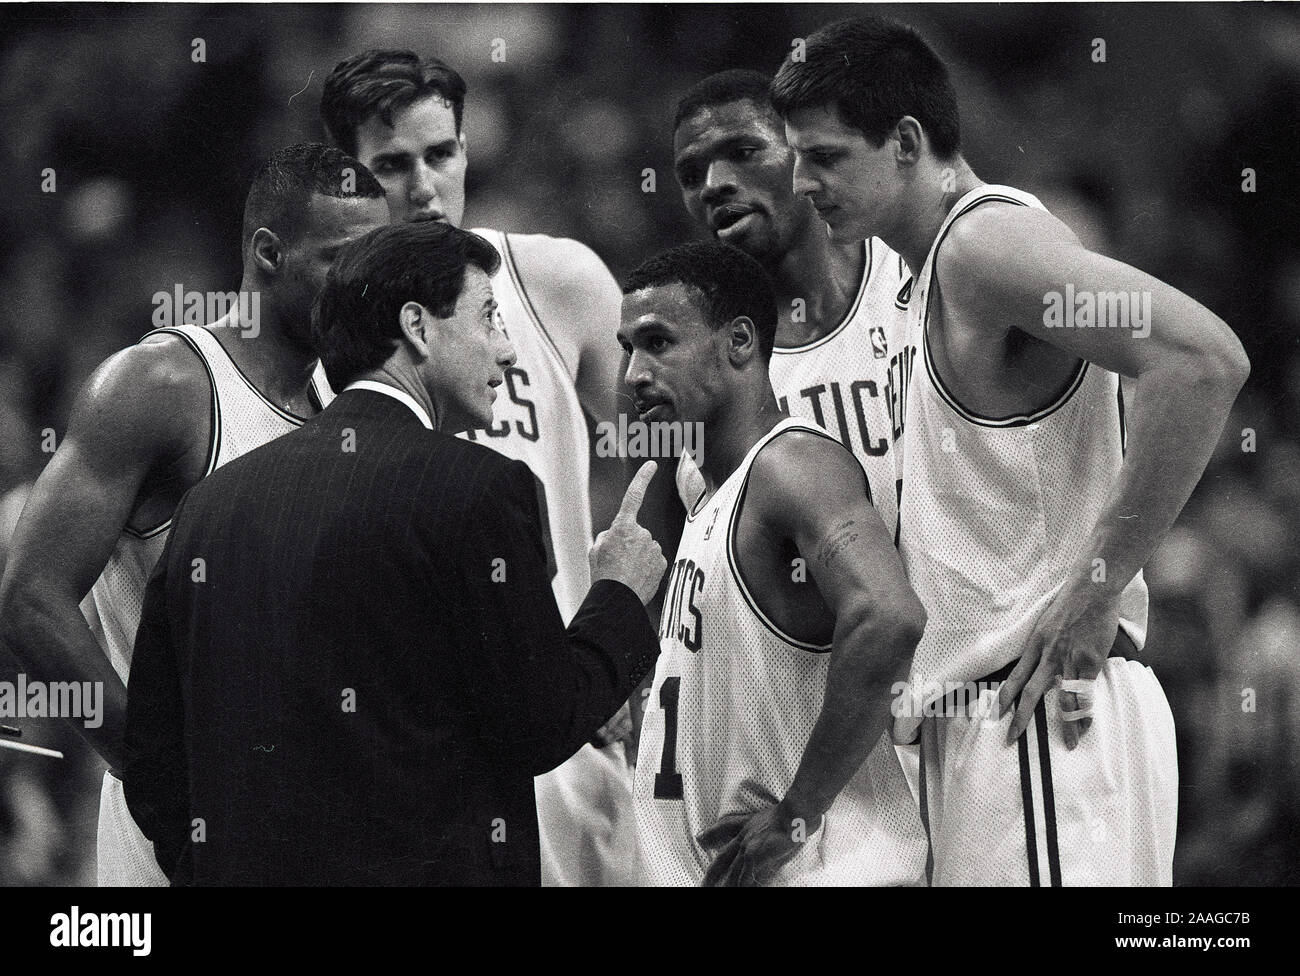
(1049, 799)
(1027, 802)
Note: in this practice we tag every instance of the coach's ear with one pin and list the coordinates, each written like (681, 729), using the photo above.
(414, 321)
(909, 135)
(268, 251)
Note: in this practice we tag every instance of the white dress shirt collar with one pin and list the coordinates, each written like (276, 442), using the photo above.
(396, 394)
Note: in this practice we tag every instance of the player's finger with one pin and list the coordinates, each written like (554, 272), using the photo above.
(635, 493)
(1076, 701)
(1029, 698)
(722, 830)
(717, 874)
(1019, 675)
(1068, 702)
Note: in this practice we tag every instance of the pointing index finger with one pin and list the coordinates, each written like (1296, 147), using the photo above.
(635, 494)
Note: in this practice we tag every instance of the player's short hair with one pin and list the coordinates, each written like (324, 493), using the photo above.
(874, 71)
(728, 282)
(383, 82)
(285, 183)
(355, 322)
(724, 87)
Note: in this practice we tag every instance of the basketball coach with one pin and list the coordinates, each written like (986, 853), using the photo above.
(350, 665)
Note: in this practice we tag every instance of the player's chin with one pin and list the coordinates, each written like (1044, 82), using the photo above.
(845, 231)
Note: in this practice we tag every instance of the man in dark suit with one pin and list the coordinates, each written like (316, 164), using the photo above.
(350, 664)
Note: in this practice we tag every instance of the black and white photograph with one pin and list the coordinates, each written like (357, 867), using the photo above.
(651, 445)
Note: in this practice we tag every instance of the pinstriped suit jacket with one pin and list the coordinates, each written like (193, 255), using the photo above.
(350, 664)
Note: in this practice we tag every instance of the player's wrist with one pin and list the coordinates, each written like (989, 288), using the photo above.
(800, 813)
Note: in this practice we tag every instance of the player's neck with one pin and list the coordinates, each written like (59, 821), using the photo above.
(934, 195)
(730, 435)
(279, 367)
(815, 283)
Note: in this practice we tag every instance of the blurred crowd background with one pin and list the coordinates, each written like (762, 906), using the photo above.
(1142, 153)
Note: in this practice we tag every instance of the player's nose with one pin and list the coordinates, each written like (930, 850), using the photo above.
(804, 184)
(424, 184)
(637, 370)
(718, 182)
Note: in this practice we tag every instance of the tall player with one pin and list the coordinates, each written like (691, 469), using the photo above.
(764, 754)
(152, 421)
(1027, 508)
(401, 116)
(840, 312)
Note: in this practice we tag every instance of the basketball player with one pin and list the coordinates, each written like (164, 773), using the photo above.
(152, 421)
(1027, 509)
(840, 314)
(787, 615)
(401, 116)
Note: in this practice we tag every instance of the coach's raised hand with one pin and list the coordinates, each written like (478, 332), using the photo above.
(626, 551)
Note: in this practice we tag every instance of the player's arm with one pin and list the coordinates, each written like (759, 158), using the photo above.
(124, 426)
(809, 489)
(999, 266)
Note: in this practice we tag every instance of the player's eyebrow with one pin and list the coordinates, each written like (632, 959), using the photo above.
(645, 329)
(392, 156)
(689, 157)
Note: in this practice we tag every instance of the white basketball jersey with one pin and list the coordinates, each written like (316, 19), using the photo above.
(241, 419)
(842, 381)
(995, 509)
(539, 421)
(732, 705)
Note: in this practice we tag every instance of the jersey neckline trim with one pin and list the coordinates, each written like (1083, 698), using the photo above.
(293, 418)
(848, 316)
(932, 370)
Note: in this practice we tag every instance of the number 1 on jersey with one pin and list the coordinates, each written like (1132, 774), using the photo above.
(668, 782)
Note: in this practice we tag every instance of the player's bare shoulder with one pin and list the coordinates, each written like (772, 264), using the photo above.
(799, 472)
(149, 406)
(987, 247)
(570, 288)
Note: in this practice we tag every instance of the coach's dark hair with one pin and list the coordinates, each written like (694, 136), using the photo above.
(382, 83)
(355, 323)
(284, 185)
(874, 71)
(733, 85)
(728, 281)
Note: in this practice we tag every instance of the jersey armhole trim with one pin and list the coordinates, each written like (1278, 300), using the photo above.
(1011, 420)
(517, 278)
(734, 563)
(214, 434)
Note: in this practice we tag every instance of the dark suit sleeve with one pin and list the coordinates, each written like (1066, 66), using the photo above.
(543, 691)
(155, 775)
